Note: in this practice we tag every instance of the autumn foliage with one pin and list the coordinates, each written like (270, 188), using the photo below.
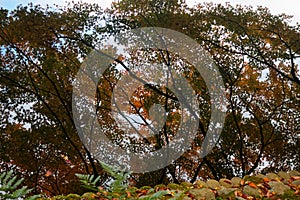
(41, 50)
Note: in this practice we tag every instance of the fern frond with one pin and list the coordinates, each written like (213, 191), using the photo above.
(120, 178)
(89, 181)
(9, 185)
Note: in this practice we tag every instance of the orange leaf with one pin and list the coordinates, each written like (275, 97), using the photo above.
(121, 58)
(48, 173)
(266, 180)
(242, 182)
(252, 185)
(142, 192)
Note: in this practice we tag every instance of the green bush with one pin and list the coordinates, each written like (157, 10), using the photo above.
(290, 195)
(73, 197)
(119, 188)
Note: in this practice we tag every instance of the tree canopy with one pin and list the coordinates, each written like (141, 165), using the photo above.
(42, 50)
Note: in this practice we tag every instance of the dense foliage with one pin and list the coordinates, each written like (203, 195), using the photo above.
(43, 48)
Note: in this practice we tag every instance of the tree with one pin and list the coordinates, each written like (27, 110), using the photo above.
(248, 46)
(42, 49)
(37, 68)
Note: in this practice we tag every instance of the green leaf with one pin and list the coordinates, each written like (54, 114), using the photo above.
(9, 185)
